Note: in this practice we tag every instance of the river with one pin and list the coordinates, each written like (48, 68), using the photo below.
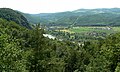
(49, 36)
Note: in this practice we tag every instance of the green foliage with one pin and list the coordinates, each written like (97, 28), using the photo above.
(11, 54)
(107, 56)
(15, 16)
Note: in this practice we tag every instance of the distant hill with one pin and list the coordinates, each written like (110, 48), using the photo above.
(12, 15)
(80, 17)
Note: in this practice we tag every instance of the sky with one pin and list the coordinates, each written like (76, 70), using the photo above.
(52, 6)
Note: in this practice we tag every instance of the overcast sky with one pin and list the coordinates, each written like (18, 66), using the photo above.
(51, 6)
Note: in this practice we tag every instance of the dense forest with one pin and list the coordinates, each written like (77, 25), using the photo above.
(27, 50)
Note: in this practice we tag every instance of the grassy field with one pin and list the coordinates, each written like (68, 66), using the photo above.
(94, 29)
(107, 30)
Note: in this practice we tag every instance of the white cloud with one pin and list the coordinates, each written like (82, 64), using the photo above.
(43, 6)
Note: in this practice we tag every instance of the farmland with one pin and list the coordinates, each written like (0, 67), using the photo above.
(95, 29)
(81, 34)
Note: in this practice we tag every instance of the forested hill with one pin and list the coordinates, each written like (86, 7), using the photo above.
(27, 50)
(12, 15)
(81, 17)
(24, 50)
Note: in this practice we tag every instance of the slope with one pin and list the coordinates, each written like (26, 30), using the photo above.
(15, 16)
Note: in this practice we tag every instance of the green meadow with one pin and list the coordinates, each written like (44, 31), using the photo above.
(95, 29)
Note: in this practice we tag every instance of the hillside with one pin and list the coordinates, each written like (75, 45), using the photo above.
(80, 17)
(24, 50)
(12, 15)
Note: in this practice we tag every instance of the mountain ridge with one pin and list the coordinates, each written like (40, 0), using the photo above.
(80, 17)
